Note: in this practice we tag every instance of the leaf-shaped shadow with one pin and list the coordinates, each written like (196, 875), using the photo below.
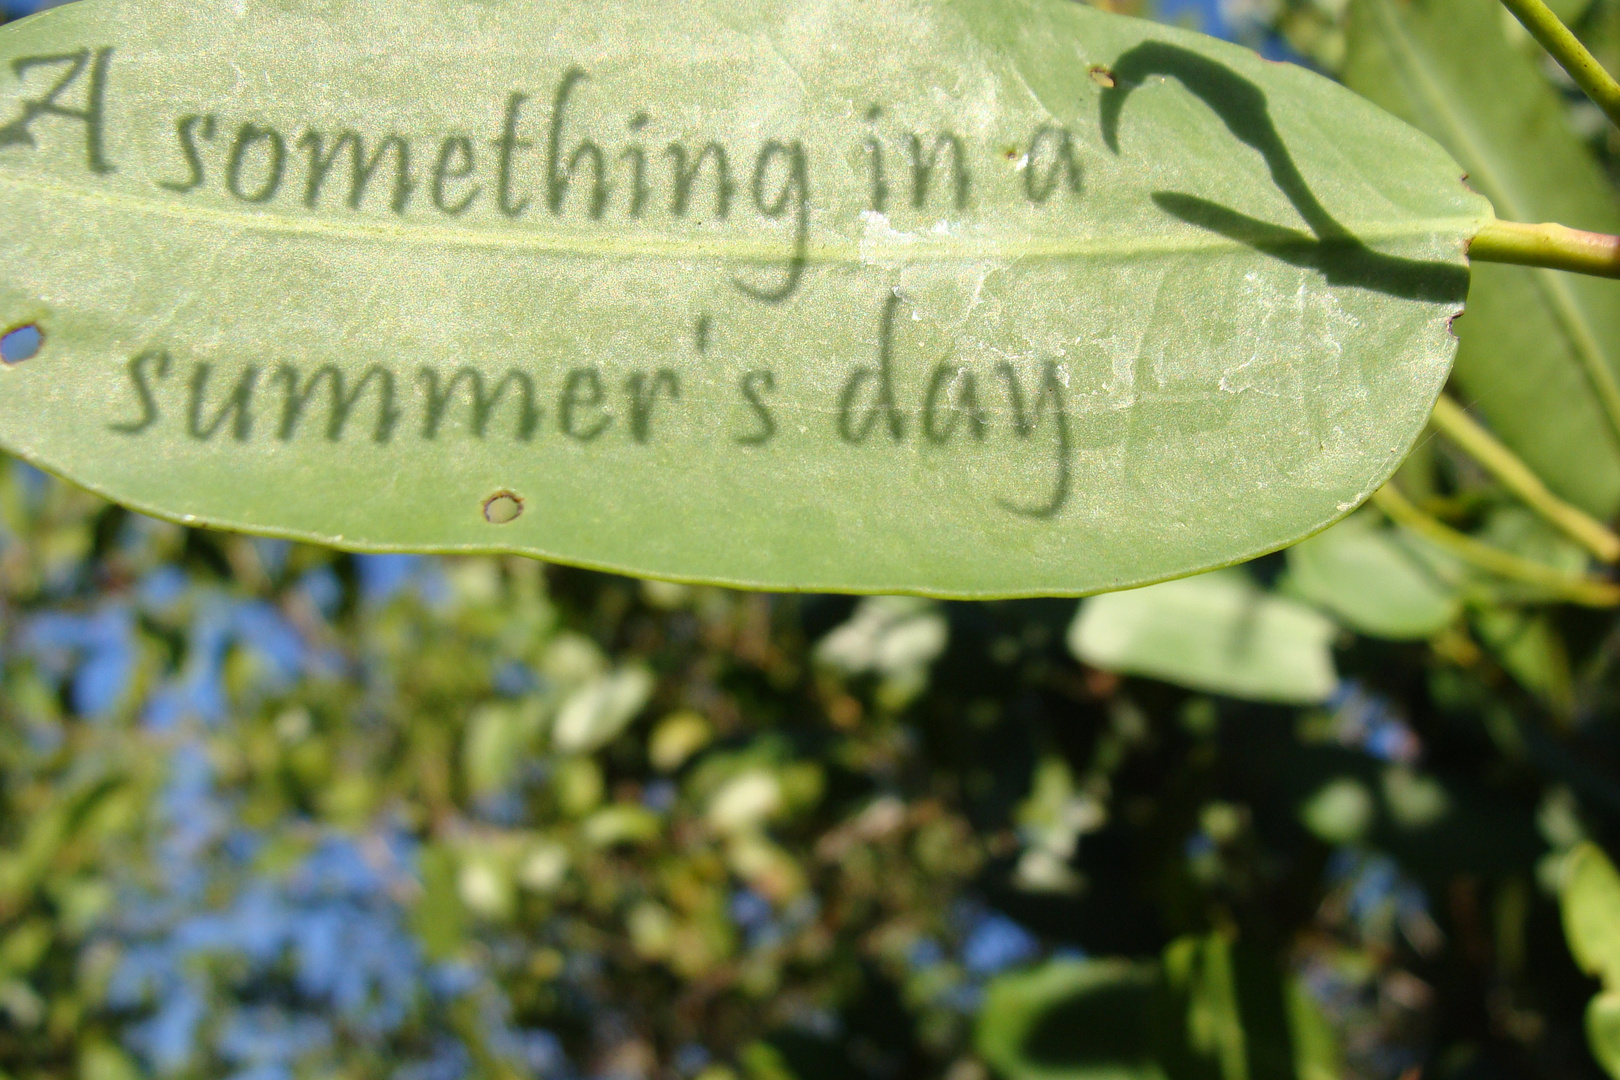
(1329, 247)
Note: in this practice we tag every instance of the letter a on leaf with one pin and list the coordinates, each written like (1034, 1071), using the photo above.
(958, 297)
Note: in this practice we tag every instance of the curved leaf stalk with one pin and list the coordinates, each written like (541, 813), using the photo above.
(1571, 55)
(1588, 592)
(1551, 246)
(1556, 247)
(1454, 422)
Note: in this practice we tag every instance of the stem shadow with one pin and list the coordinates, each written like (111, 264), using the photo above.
(1328, 248)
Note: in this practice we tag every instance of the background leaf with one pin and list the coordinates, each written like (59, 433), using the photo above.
(598, 711)
(1591, 905)
(1377, 580)
(1603, 1031)
(1531, 338)
(1216, 632)
(1072, 1020)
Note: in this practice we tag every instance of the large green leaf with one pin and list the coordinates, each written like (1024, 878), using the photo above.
(1536, 344)
(1217, 632)
(1123, 302)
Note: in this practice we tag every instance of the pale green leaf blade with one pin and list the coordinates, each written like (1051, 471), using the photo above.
(597, 712)
(1317, 1053)
(1072, 1020)
(1242, 1017)
(1532, 339)
(1603, 1031)
(1340, 811)
(1217, 632)
(1144, 329)
(1379, 581)
(1199, 974)
(1590, 900)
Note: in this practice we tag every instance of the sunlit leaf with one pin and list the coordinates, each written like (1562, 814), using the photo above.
(1217, 632)
(496, 738)
(621, 823)
(1215, 1009)
(598, 711)
(1532, 338)
(1243, 1016)
(962, 298)
(1414, 800)
(484, 882)
(676, 738)
(1378, 581)
(1591, 907)
(892, 635)
(1199, 974)
(745, 801)
(438, 917)
(1603, 1031)
(100, 1060)
(1317, 1054)
(1340, 812)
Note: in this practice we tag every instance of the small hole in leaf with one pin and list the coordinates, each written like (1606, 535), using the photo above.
(502, 508)
(1102, 76)
(21, 344)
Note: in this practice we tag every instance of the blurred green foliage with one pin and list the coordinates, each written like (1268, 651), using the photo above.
(551, 823)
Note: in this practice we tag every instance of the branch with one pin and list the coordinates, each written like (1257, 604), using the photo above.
(1589, 592)
(1453, 421)
(1571, 55)
(1555, 247)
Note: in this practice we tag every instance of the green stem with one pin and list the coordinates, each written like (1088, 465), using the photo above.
(1589, 592)
(1571, 55)
(1556, 247)
(1453, 421)
(1553, 246)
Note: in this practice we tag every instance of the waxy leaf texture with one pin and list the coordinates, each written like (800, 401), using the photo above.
(956, 297)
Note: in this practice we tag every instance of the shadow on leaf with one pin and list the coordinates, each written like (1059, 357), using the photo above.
(1328, 248)
(1106, 1026)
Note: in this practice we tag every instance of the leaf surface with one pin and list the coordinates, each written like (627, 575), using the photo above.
(1591, 906)
(965, 298)
(1379, 581)
(1603, 1031)
(1540, 349)
(1217, 632)
(1072, 1020)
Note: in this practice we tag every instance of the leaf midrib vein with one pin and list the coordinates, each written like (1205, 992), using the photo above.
(921, 247)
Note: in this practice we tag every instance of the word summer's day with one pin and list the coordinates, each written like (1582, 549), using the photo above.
(559, 152)
(950, 403)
